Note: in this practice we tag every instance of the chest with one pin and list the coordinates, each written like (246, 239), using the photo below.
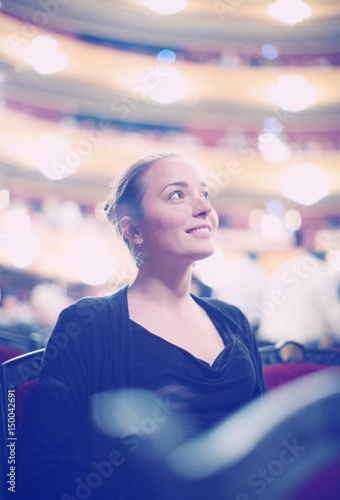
(196, 333)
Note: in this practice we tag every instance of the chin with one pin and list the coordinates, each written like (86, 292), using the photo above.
(204, 255)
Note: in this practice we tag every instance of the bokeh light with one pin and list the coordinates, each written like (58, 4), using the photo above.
(272, 125)
(18, 222)
(269, 51)
(69, 214)
(165, 7)
(23, 250)
(305, 184)
(289, 11)
(292, 220)
(171, 88)
(54, 158)
(166, 57)
(292, 93)
(271, 228)
(91, 259)
(273, 149)
(43, 55)
(275, 207)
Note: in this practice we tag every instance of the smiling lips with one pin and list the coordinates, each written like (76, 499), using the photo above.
(199, 230)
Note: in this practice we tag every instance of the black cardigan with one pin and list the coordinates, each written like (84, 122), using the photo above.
(89, 352)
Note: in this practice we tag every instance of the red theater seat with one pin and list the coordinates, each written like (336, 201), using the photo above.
(7, 353)
(289, 360)
(18, 377)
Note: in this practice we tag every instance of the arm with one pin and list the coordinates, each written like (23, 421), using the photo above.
(58, 452)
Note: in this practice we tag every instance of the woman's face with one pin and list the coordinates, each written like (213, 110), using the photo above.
(179, 221)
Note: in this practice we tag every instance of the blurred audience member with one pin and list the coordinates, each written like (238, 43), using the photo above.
(15, 312)
(244, 286)
(47, 300)
(301, 303)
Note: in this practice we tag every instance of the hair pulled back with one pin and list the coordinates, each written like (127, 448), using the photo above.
(128, 194)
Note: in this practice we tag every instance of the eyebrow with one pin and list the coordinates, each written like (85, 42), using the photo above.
(182, 184)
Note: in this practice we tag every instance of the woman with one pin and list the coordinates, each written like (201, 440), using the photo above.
(197, 355)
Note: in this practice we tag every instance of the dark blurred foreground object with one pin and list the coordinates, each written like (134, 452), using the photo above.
(285, 446)
(289, 360)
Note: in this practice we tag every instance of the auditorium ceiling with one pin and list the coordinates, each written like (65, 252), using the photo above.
(88, 86)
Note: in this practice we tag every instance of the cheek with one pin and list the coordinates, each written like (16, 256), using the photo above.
(164, 222)
(179, 218)
(172, 218)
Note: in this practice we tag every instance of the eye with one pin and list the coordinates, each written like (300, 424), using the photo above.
(206, 196)
(176, 195)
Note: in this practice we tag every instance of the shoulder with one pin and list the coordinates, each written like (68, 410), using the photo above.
(83, 326)
(221, 307)
(89, 309)
(232, 315)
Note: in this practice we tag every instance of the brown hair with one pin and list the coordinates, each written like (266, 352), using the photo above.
(128, 194)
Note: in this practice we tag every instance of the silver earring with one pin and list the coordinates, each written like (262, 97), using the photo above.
(139, 257)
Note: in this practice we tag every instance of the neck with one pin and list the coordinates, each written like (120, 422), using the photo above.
(168, 285)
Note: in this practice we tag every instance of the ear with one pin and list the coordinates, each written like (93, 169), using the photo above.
(131, 230)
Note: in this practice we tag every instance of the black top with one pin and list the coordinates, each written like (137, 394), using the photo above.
(204, 394)
(96, 350)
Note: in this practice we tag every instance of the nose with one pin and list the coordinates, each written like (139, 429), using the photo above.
(202, 207)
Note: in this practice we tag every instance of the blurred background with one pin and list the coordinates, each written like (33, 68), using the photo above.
(250, 89)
